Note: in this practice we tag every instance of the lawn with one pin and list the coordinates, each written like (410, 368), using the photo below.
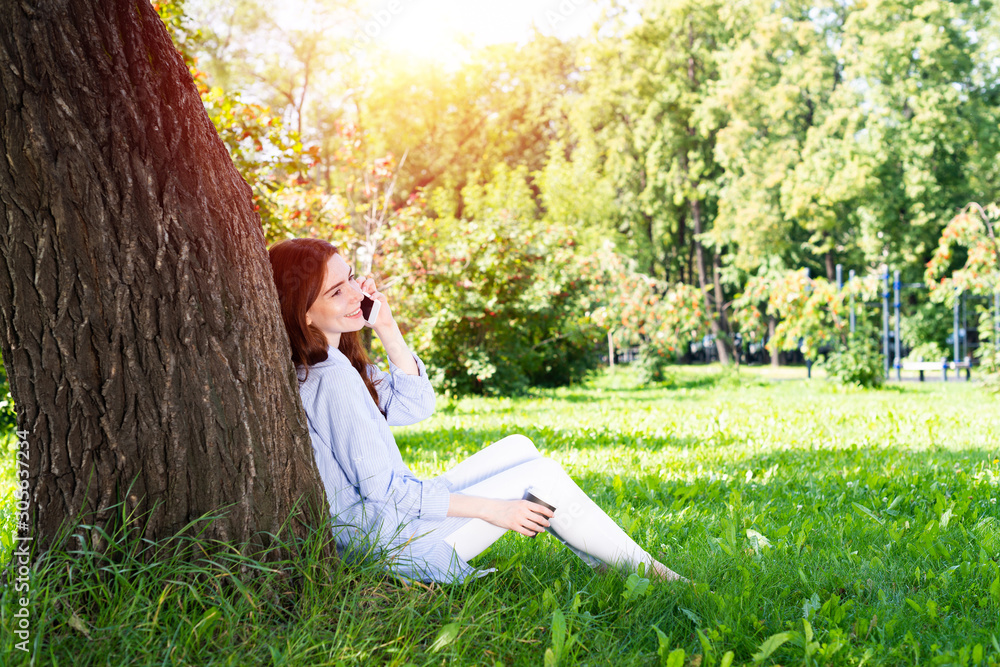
(824, 524)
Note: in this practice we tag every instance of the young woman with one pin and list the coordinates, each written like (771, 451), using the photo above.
(426, 529)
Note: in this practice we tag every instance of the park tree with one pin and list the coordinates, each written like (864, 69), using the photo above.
(273, 158)
(643, 103)
(505, 106)
(851, 133)
(931, 118)
(782, 136)
(141, 331)
(306, 67)
(575, 192)
(967, 261)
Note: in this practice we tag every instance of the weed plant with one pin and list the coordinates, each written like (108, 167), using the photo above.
(826, 525)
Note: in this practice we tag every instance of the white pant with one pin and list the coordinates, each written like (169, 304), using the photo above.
(508, 470)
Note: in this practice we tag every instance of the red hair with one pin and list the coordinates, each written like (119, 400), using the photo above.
(299, 268)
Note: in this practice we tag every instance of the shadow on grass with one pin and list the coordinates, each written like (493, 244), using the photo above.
(444, 443)
(540, 402)
(674, 381)
(601, 390)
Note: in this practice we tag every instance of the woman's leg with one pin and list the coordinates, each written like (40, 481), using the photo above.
(502, 455)
(578, 521)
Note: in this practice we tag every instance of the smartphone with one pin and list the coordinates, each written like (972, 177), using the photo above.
(369, 309)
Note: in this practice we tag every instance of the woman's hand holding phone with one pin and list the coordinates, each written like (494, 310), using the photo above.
(388, 332)
(374, 305)
(370, 309)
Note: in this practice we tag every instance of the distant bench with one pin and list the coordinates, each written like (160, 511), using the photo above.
(942, 366)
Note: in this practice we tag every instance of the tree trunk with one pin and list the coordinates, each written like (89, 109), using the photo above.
(831, 269)
(723, 343)
(690, 264)
(681, 240)
(703, 284)
(721, 338)
(772, 325)
(141, 330)
(647, 231)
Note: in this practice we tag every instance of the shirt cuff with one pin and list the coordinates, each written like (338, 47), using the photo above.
(396, 373)
(434, 500)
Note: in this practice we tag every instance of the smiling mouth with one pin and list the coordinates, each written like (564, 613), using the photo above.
(355, 313)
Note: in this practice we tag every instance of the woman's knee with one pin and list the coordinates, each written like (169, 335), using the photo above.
(543, 469)
(518, 445)
(546, 479)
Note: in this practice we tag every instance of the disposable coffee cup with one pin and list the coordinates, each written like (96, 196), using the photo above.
(529, 496)
(535, 499)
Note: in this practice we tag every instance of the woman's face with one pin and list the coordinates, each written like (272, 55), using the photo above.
(337, 309)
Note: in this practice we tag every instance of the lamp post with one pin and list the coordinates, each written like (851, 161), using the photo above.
(885, 319)
(896, 290)
(850, 282)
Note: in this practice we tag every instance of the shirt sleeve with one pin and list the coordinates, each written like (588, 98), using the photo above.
(404, 399)
(361, 446)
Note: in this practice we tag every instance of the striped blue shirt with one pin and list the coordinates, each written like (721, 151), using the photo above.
(379, 504)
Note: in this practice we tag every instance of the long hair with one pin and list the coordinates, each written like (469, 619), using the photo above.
(299, 268)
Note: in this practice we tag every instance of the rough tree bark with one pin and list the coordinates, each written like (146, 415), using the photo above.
(141, 330)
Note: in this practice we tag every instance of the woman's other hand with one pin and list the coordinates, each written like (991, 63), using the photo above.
(524, 516)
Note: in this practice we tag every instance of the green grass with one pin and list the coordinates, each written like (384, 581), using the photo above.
(827, 525)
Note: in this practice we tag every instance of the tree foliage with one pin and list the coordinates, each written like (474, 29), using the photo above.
(497, 299)
(971, 236)
(719, 149)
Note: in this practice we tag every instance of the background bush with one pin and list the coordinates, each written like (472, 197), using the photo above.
(859, 362)
(498, 300)
(652, 364)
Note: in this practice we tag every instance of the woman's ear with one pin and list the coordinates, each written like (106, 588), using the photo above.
(309, 320)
